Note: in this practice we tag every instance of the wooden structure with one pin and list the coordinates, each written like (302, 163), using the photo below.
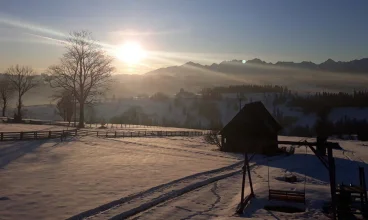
(245, 200)
(339, 194)
(252, 123)
(328, 162)
(352, 199)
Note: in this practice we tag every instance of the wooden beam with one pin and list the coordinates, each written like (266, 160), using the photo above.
(243, 181)
(331, 169)
(249, 175)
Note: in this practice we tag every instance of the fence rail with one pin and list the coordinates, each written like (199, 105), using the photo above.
(36, 135)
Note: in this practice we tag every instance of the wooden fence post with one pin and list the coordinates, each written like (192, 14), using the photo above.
(2, 136)
(97, 133)
(76, 132)
(21, 135)
(131, 134)
(115, 134)
(49, 134)
(34, 135)
(106, 133)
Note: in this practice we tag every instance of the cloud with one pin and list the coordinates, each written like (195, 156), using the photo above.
(149, 32)
(48, 40)
(41, 32)
(13, 22)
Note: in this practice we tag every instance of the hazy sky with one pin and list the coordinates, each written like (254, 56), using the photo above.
(176, 31)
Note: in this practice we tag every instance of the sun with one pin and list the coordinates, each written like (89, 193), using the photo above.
(131, 53)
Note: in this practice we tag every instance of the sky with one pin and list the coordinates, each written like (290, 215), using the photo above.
(173, 32)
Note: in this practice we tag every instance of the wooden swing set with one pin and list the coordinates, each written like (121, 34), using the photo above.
(297, 196)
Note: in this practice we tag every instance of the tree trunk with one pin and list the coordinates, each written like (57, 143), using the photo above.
(19, 116)
(4, 108)
(81, 115)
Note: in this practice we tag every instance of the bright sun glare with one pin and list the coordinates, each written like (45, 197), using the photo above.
(131, 53)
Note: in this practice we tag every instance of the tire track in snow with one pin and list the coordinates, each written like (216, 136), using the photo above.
(100, 145)
(137, 203)
(144, 200)
(212, 206)
(165, 148)
(177, 149)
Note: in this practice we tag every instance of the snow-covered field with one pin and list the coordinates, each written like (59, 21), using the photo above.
(53, 180)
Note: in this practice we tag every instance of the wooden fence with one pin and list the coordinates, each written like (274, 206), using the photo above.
(116, 134)
(36, 135)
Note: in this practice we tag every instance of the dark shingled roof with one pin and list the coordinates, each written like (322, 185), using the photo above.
(254, 115)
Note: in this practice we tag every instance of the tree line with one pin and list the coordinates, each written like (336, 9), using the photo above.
(250, 88)
(325, 100)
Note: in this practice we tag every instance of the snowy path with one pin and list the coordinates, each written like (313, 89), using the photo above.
(142, 201)
(219, 200)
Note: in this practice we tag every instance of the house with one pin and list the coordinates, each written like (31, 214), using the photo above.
(252, 124)
(185, 95)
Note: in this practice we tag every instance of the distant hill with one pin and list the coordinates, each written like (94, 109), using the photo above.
(243, 67)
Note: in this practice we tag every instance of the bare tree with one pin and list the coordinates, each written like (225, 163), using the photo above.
(84, 70)
(6, 92)
(212, 138)
(22, 79)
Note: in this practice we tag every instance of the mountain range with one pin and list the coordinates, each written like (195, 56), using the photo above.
(241, 66)
(305, 76)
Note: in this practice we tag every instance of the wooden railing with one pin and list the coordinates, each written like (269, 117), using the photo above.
(123, 134)
(36, 135)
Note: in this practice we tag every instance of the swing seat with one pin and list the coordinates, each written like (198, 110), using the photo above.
(287, 196)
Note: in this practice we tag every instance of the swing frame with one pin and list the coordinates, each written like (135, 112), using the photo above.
(328, 163)
(245, 200)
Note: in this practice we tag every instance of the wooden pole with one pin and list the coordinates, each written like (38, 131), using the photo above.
(249, 175)
(331, 170)
(243, 180)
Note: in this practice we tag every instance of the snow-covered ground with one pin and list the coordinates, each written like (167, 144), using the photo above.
(158, 178)
(52, 180)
